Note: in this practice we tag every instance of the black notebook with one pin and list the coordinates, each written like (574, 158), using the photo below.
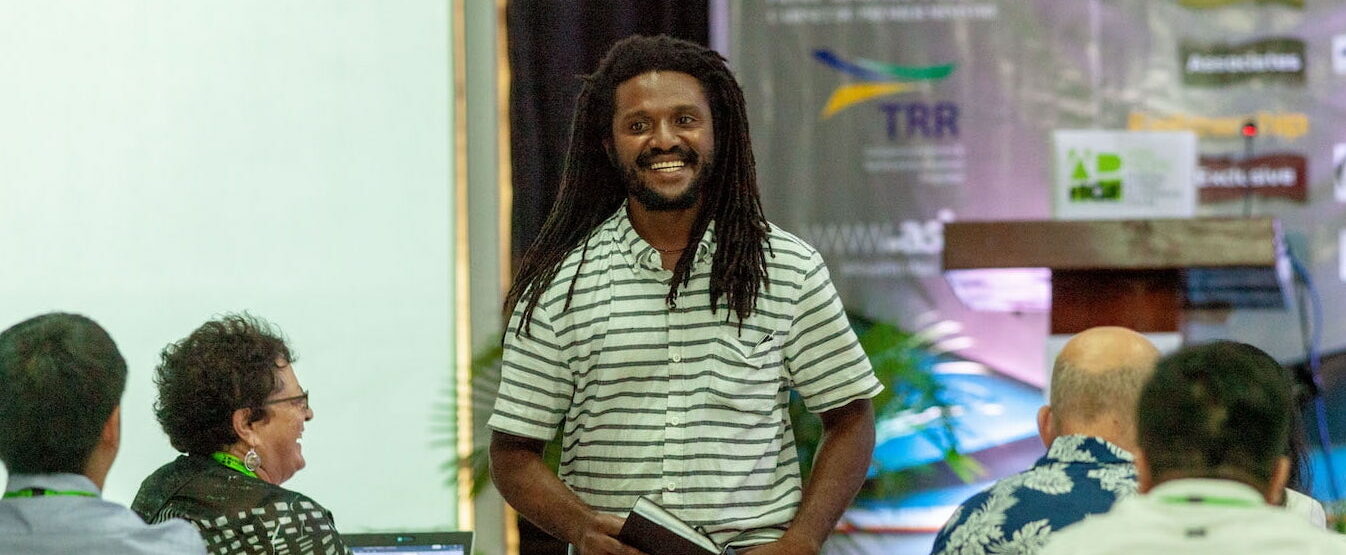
(654, 530)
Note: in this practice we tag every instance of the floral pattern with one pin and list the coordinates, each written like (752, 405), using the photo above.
(1079, 476)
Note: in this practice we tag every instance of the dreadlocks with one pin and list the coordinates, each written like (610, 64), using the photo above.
(592, 187)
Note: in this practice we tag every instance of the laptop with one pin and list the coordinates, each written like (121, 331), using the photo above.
(411, 543)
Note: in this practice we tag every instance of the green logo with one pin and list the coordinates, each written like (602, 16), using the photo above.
(879, 79)
(1095, 176)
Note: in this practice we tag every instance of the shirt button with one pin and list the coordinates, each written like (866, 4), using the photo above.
(677, 357)
(675, 421)
(670, 487)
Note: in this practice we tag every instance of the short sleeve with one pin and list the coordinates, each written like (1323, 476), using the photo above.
(535, 385)
(826, 364)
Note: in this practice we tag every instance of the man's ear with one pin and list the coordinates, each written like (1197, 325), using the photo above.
(243, 428)
(1144, 480)
(1046, 430)
(1280, 475)
(112, 430)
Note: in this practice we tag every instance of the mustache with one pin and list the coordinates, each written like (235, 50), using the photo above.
(689, 156)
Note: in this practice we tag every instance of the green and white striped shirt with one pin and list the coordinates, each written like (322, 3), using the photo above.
(679, 404)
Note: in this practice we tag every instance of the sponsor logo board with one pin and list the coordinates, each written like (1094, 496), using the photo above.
(1279, 60)
(1285, 125)
(1108, 174)
(1282, 175)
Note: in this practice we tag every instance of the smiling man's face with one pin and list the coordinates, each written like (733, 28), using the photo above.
(663, 139)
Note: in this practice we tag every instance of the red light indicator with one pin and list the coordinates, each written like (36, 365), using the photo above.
(1249, 129)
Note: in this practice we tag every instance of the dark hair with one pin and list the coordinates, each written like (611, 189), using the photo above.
(592, 187)
(225, 365)
(61, 376)
(1219, 410)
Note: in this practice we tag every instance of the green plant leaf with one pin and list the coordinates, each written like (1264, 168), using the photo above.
(903, 361)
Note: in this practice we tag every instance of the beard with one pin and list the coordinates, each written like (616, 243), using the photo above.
(651, 199)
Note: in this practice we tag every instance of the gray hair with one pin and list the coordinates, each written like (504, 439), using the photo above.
(1084, 394)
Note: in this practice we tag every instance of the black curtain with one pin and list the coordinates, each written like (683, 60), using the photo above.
(551, 43)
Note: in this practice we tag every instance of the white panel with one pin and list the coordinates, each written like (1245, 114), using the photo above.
(164, 161)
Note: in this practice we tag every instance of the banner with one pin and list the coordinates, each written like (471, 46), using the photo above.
(876, 122)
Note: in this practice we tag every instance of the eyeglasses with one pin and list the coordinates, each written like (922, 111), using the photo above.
(298, 400)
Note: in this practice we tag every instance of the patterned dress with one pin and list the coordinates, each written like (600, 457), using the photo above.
(1078, 476)
(237, 514)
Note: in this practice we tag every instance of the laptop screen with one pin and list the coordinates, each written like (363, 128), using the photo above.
(411, 543)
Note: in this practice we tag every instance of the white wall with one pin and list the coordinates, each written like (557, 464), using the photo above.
(164, 161)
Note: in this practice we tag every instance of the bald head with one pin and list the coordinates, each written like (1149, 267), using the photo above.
(1096, 382)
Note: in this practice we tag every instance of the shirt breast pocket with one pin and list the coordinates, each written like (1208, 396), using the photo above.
(748, 375)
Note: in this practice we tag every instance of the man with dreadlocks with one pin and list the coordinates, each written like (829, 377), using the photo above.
(659, 322)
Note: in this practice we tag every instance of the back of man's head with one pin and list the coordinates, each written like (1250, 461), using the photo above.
(61, 376)
(1219, 410)
(1096, 380)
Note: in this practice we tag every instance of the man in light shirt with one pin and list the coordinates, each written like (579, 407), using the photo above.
(1213, 426)
(61, 382)
(659, 321)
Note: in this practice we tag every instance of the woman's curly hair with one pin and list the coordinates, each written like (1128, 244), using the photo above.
(226, 364)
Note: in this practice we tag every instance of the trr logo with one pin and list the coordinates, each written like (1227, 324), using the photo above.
(879, 79)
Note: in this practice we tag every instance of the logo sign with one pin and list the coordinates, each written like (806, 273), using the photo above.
(1271, 60)
(1339, 54)
(1286, 125)
(1094, 176)
(1208, 4)
(936, 120)
(1106, 174)
(1222, 179)
(883, 249)
(877, 78)
(904, 238)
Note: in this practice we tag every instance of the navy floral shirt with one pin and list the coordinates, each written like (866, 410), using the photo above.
(1079, 476)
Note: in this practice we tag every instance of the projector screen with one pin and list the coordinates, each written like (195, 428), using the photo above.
(163, 162)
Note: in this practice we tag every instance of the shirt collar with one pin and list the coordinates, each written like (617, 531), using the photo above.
(1082, 448)
(1207, 488)
(640, 253)
(56, 481)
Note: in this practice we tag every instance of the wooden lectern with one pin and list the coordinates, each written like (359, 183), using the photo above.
(1140, 274)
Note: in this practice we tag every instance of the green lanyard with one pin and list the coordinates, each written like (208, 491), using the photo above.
(232, 462)
(43, 492)
(1196, 499)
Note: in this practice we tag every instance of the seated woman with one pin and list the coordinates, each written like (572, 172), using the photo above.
(229, 399)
